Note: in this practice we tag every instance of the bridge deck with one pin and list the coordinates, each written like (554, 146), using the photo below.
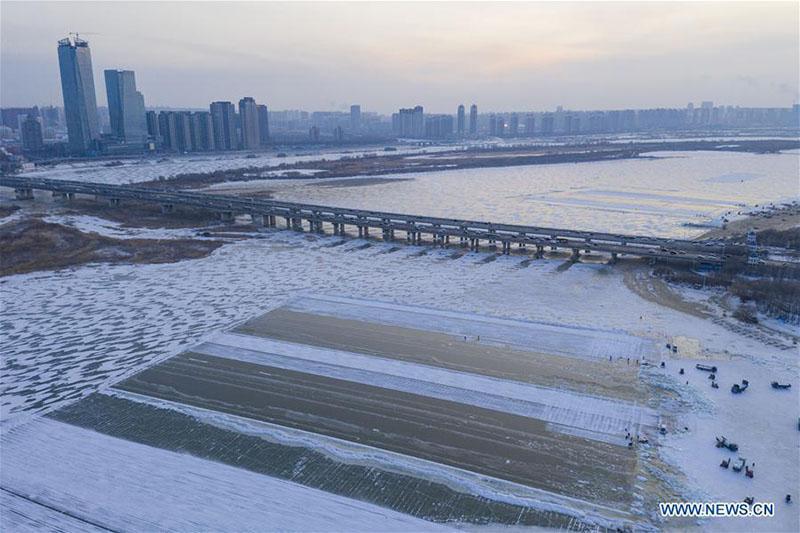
(413, 225)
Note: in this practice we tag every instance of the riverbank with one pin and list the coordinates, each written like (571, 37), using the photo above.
(32, 245)
(464, 158)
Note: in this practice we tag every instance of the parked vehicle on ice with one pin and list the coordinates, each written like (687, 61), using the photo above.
(738, 389)
(776, 385)
(705, 368)
(739, 464)
(722, 442)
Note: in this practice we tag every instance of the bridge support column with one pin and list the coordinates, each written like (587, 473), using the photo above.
(24, 194)
(613, 257)
(576, 254)
(167, 208)
(114, 202)
(360, 231)
(506, 248)
(462, 241)
(539, 251)
(64, 195)
(387, 234)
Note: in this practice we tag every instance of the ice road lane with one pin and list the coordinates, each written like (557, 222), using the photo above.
(493, 443)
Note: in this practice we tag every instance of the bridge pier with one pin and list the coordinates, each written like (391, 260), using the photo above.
(23, 194)
(225, 216)
(613, 257)
(539, 251)
(167, 208)
(506, 248)
(114, 202)
(387, 234)
(576, 254)
(462, 241)
(64, 195)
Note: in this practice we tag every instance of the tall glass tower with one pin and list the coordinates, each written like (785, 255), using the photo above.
(125, 106)
(77, 86)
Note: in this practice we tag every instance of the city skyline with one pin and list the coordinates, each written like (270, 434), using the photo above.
(507, 72)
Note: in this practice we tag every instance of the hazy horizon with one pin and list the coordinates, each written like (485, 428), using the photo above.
(501, 56)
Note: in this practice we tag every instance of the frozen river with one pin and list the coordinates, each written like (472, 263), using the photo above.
(651, 196)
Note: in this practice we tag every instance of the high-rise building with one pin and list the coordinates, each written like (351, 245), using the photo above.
(168, 130)
(223, 117)
(530, 125)
(183, 131)
(461, 120)
(439, 126)
(125, 106)
(32, 138)
(263, 124)
(409, 122)
(204, 131)
(355, 117)
(418, 122)
(313, 134)
(248, 111)
(77, 87)
(152, 124)
(513, 126)
(548, 124)
(13, 116)
(473, 119)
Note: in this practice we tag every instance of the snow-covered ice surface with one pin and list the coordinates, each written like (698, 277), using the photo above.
(70, 332)
(534, 336)
(120, 485)
(110, 228)
(677, 194)
(593, 414)
(151, 168)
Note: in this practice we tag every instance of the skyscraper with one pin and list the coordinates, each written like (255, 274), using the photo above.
(125, 106)
(77, 87)
(355, 117)
(473, 119)
(263, 124)
(248, 111)
(461, 120)
(223, 117)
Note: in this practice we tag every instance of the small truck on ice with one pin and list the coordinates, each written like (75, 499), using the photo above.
(706, 368)
(738, 389)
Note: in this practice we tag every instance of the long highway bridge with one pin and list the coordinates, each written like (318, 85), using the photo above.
(470, 233)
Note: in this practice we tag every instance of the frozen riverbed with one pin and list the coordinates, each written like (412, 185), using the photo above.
(69, 333)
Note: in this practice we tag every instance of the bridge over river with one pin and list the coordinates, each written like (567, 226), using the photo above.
(470, 233)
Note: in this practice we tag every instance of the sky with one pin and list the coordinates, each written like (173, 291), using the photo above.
(526, 56)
